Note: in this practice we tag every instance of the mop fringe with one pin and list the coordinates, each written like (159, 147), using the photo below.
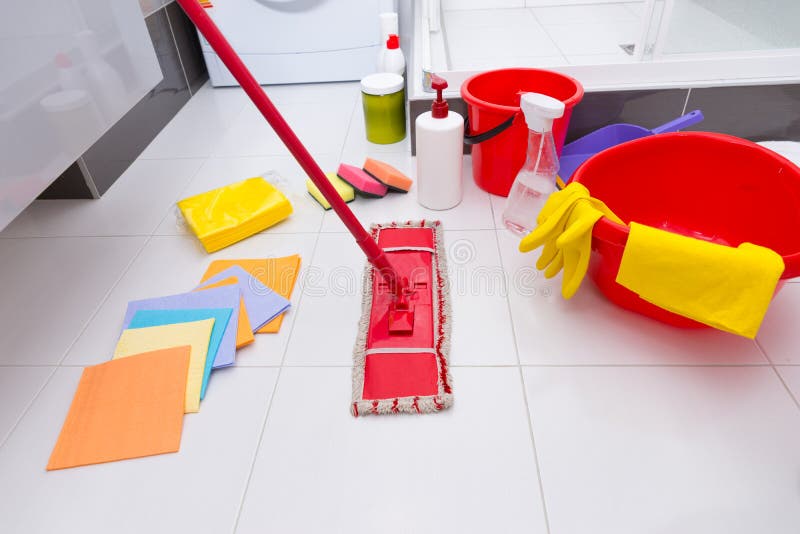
(442, 326)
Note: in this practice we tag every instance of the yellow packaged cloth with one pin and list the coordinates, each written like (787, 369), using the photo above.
(724, 287)
(223, 216)
(564, 228)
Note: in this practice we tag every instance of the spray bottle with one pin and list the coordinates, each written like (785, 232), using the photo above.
(537, 178)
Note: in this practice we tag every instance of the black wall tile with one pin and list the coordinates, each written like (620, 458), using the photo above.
(758, 113)
(108, 158)
(71, 184)
(188, 46)
(643, 108)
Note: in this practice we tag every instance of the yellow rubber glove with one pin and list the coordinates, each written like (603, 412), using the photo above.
(565, 230)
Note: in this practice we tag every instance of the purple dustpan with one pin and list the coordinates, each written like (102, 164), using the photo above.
(587, 146)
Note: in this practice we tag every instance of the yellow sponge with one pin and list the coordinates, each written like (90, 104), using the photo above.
(344, 189)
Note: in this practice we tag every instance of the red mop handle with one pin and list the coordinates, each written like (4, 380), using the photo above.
(245, 78)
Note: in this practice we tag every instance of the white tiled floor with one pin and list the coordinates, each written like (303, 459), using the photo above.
(542, 36)
(569, 417)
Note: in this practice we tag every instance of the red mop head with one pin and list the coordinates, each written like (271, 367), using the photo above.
(401, 356)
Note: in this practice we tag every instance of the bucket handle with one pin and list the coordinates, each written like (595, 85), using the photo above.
(488, 134)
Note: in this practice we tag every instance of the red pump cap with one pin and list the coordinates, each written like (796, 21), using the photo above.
(393, 42)
(439, 108)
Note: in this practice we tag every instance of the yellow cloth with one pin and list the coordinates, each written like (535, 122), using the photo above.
(724, 287)
(565, 229)
(196, 334)
(223, 216)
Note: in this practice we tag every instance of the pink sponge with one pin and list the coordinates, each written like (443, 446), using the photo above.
(362, 182)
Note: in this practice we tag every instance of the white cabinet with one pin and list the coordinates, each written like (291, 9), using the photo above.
(68, 71)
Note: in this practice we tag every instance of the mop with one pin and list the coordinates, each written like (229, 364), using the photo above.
(400, 361)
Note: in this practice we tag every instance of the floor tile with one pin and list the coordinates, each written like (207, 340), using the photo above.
(582, 14)
(331, 304)
(511, 61)
(174, 264)
(200, 127)
(778, 335)
(791, 376)
(502, 33)
(283, 171)
(18, 387)
(467, 469)
(195, 490)
(593, 38)
(637, 8)
(482, 332)
(481, 4)
(320, 124)
(134, 205)
(51, 287)
(689, 449)
(590, 330)
(498, 205)
(600, 59)
(357, 148)
(301, 93)
(474, 212)
(480, 18)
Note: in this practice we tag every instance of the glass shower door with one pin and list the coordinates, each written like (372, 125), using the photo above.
(725, 27)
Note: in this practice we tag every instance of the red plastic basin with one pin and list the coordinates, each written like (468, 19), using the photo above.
(705, 185)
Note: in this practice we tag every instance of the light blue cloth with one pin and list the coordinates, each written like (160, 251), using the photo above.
(221, 316)
(261, 302)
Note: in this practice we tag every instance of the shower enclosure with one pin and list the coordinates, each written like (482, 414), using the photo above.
(610, 45)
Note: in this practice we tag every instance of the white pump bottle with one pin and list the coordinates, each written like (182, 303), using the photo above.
(440, 147)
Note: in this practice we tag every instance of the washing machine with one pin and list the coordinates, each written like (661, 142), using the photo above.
(298, 41)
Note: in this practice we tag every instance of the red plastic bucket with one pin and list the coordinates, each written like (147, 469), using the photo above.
(497, 128)
(704, 185)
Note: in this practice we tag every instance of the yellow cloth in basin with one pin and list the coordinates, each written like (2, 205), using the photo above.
(724, 287)
(223, 216)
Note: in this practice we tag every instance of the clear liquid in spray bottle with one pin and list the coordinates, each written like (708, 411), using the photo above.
(537, 178)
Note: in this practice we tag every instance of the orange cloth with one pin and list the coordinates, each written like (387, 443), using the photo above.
(244, 330)
(278, 274)
(125, 408)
